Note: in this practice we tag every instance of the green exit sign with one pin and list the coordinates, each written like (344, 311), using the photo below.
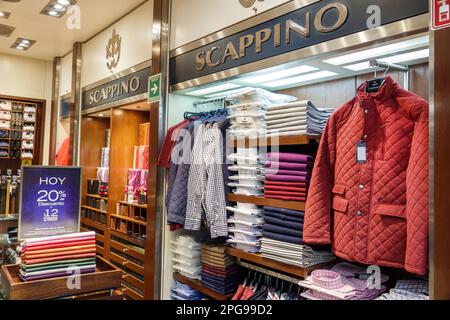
(154, 88)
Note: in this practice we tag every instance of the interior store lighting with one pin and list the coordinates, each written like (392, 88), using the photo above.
(57, 8)
(214, 89)
(401, 58)
(380, 51)
(300, 79)
(278, 74)
(5, 14)
(226, 93)
(23, 44)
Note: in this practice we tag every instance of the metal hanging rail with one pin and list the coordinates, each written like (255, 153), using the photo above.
(268, 272)
(375, 63)
(385, 65)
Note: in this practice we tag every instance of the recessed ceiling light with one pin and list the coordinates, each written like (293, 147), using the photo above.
(57, 8)
(300, 79)
(226, 93)
(23, 44)
(380, 51)
(218, 88)
(101, 115)
(5, 14)
(410, 56)
(278, 74)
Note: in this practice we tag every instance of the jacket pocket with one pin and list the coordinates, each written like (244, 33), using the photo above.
(339, 189)
(391, 210)
(340, 204)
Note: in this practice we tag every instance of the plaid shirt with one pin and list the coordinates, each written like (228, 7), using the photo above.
(206, 194)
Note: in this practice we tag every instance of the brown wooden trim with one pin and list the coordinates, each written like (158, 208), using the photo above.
(76, 85)
(54, 111)
(440, 175)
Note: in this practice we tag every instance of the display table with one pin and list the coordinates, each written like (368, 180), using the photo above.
(106, 278)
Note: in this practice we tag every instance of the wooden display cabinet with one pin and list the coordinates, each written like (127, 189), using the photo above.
(122, 231)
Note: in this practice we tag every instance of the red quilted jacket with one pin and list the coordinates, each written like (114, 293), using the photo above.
(375, 212)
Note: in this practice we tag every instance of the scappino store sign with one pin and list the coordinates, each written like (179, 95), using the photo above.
(316, 23)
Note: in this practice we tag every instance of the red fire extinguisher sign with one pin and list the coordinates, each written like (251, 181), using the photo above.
(440, 10)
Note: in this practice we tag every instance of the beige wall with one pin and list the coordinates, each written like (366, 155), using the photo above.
(136, 32)
(189, 17)
(28, 78)
(66, 74)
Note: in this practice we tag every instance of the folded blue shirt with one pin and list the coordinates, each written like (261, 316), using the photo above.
(284, 223)
(282, 230)
(288, 212)
(283, 238)
(283, 217)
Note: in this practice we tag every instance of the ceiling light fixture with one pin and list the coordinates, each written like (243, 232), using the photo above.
(300, 79)
(57, 8)
(406, 57)
(279, 74)
(23, 44)
(214, 89)
(5, 14)
(380, 51)
(226, 93)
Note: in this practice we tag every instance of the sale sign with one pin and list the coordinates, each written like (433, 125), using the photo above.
(50, 201)
(440, 11)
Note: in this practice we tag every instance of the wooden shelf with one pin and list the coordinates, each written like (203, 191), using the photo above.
(93, 224)
(296, 271)
(261, 201)
(94, 209)
(96, 196)
(142, 223)
(281, 141)
(197, 285)
(142, 206)
(127, 237)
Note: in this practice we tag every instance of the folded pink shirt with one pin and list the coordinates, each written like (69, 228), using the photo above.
(289, 157)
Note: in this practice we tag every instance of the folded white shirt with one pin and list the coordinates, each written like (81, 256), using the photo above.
(272, 122)
(279, 106)
(286, 129)
(286, 116)
(288, 124)
(291, 133)
(289, 110)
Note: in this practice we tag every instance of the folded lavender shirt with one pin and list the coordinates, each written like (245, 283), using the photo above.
(289, 157)
(277, 177)
(288, 172)
(288, 165)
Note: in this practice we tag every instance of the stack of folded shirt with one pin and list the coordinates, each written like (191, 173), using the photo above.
(248, 111)
(58, 256)
(408, 290)
(219, 271)
(186, 257)
(183, 292)
(246, 177)
(343, 282)
(287, 119)
(317, 119)
(287, 176)
(245, 227)
(283, 239)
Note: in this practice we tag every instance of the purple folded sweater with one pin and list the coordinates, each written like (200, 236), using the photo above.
(289, 157)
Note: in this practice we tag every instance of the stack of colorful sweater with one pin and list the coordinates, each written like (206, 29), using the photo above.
(219, 271)
(58, 256)
(287, 176)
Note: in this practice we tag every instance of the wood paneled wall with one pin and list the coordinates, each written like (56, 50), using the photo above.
(333, 94)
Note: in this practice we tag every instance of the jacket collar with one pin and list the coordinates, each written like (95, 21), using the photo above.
(386, 91)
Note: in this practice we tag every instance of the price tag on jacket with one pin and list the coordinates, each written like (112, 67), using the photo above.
(361, 152)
